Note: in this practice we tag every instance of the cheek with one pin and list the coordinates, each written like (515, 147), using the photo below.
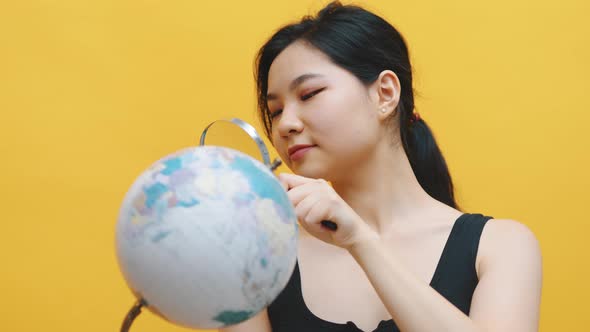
(341, 114)
(347, 127)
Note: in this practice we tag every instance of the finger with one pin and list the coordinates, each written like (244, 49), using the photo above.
(310, 220)
(283, 183)
(321, 215)
(297, 194)
(293, 180)
(304, 207)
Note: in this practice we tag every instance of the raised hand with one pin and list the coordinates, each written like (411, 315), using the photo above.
(317, 204)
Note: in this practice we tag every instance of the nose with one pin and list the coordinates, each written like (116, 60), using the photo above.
(289, 122)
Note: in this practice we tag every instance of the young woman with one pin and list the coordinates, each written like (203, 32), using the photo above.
(335, 95)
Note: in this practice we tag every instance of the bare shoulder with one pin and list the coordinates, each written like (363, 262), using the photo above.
(507, 240)
(509, 232)
(509, 268)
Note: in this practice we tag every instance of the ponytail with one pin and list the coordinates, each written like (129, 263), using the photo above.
(427, 161)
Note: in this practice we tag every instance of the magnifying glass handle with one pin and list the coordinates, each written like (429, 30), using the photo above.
(275, 164)
(329, 225)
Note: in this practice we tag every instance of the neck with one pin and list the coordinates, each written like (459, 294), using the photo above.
(383, 189)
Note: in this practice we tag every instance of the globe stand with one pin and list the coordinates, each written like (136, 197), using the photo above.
(132, 314)
(250, 130)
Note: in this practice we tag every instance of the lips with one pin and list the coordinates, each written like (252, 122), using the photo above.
(293, 149)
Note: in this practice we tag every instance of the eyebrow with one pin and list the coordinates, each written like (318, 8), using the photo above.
(295, 83)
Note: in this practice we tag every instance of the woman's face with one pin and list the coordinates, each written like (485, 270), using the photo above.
(314, 102)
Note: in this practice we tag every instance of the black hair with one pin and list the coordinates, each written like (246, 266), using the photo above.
(364, 44)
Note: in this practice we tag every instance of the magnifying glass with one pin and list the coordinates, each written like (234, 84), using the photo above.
(240, 135)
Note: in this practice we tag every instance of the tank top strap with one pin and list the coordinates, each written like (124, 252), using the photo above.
(456, 277)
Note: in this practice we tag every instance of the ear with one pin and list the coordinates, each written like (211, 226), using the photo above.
(386, 91)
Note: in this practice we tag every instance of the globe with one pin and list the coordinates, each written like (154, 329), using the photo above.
(206, 237)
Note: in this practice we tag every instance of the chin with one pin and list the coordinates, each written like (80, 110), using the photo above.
(311, 170)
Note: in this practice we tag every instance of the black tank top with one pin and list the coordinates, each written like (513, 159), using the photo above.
(455, 278)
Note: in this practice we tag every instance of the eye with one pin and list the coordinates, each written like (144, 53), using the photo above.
(311, 94)
(275, 113)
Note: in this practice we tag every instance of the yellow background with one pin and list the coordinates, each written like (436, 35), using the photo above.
(91, 93)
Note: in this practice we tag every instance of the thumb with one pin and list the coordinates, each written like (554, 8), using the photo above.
(283, 183)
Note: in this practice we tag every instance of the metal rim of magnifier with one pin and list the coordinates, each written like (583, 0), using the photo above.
(136, 309)
(251, 131)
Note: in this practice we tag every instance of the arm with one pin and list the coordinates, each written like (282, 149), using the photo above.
(258, 323)
(506, 299)
(509, 269)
